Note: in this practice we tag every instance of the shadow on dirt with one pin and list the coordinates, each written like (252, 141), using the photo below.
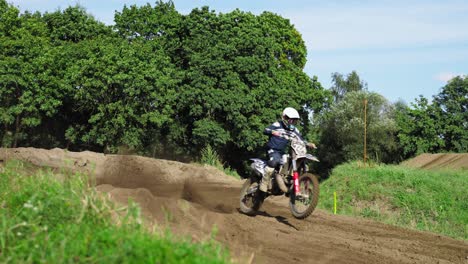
(280, 219)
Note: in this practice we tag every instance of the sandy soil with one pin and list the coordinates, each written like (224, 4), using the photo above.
(197, 201)
(439, 161)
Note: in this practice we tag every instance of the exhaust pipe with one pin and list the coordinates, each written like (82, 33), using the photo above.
(281, 183)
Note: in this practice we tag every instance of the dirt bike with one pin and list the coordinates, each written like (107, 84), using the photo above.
(292, 179)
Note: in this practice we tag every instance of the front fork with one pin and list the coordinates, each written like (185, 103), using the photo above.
(297, 190)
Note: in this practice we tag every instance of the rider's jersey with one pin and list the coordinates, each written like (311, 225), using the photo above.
(278, 143)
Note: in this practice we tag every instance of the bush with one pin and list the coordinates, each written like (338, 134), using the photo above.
(210, 157)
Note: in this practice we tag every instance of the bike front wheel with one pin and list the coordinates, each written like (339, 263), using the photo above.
(304, 204)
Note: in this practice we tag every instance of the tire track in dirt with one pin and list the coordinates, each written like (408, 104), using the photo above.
(195, 200)
(438, 161)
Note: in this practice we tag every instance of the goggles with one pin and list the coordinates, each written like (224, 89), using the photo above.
(291, 121)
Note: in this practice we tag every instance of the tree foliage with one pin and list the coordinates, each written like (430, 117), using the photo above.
(343, 85)
(157, 81)
(394, 131)
(343, 126)
(240, 74)
(121, 89)
(452, 106)
(438, 127)
(29, 89)
(73, 25)
(419, 128)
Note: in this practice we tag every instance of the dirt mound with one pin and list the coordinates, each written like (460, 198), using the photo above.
(198, 202)
(439, 161)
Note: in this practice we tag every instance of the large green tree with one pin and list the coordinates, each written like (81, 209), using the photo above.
(439, 126)
(419, 128)
(452, 105)
(29, 89)
(241, 70)
(121, 90)
(73, 24)
(155, 80)
(160, 26)
(343, 126)
(342, 85)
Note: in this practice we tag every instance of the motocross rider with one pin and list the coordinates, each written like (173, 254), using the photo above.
(276, 144)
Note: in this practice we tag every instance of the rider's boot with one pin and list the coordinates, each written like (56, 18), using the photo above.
(266, 179)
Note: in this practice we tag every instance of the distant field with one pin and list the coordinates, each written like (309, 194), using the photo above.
(430, 200)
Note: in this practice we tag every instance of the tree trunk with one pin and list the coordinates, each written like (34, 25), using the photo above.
(17, 130)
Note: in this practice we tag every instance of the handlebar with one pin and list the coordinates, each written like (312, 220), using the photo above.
(291, 135)
(288, 135)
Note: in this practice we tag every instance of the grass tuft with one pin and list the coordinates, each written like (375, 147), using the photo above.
(210, 157)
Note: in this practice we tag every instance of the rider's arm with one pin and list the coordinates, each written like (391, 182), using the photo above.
(270, 130)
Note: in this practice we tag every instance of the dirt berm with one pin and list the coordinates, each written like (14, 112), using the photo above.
(439, 161)
(194, 200)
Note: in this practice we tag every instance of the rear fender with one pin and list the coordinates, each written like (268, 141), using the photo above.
(258, 166)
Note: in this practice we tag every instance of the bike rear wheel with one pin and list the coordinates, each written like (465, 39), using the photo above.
(251, 198)
(303, 205)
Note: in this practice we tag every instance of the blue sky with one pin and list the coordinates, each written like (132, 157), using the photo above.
(402, 49)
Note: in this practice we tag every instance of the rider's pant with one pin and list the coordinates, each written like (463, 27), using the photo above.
(274, 158)
(274, 161)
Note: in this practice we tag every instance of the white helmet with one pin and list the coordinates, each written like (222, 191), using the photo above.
(290, 117)
(290, 113)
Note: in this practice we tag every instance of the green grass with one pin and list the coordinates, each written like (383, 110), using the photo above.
(210, 157)
(435, 201)
(44, 220)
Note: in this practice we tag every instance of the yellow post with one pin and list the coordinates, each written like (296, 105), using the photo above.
(334, 202)
(365, 132)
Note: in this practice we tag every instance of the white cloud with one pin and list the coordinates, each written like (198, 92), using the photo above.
(446, 76)
(380, 25)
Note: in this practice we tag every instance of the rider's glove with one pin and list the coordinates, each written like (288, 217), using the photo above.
(311, 145)
(275, 133)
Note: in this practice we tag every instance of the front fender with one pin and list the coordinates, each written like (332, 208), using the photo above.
(312, 157)
(302, 162)
(307, 156)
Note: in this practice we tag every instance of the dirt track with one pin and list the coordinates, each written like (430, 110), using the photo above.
(192, 199)
(439, 161)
